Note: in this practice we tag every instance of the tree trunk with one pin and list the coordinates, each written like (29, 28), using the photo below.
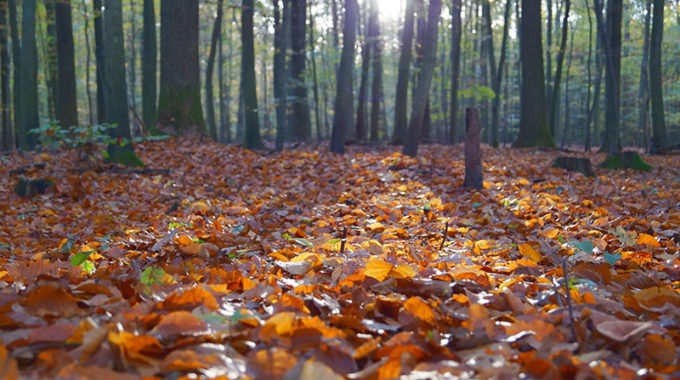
(7, 133)
(474, 172)
(67, 104)
(558, 72)
(456, 26)
(179, 100)
(496, 71)
(51, 70)
(656, 78)
(28, 118)
(425, 79)
(279, 76)
(404, 71)
(132, 65)
(88, 62)
(209, 70)
(567, 113)
(301, 119)
(99, 59)
(248, 82)
(377, 86)
(149, 64)
(344, 102)
(366, 46)
(315, 79)
(533, 125)
(421, 35)
(611, 41)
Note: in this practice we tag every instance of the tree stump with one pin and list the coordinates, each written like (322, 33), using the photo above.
(474, 176)
(625, 160)
(575, 164)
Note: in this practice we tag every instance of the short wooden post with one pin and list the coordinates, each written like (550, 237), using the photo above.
(474, 176)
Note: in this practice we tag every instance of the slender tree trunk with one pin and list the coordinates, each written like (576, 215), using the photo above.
(377, 87)
(496, 71)
(7, 130)
(334, 16)
(301, 119)
(567, 113)
(88, 62)
(115, 85)
(67, 103)
(656, 78)
(149, 64)
(252, 124)
(643, 89)
(366, 46)
(612, 52)
(555, 92)
(548, 51)
(421, 35)
(403, 74)
(423, 87)
(317, 110)
(279, 76)
(344, 102)
(179, 100)
(28, 118)
(132, 72)
(590, 79)
(227, 109)
(51, 69)
(99, 58)
(221, 89)
(209, 70)
(534, 129)
(456, 28)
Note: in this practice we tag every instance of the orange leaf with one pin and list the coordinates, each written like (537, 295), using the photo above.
(421, 310)
(378, 269)
(277, 325)
(8, 365)
(657, 297)
(649, 240)
(50, 300)
(658, 348)
(180, 323)
(138, 348)
(190, 299)
(530, 252)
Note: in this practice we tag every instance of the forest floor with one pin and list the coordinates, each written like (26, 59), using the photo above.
(370, 265)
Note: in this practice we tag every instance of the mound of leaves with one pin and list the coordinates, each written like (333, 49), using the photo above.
(307, 265)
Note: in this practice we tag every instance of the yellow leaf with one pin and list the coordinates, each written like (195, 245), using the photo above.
(200, 206)
(378, 269)
(530, 252)
(404, 271)
(644, 239)
(377, 227)
(421, 310)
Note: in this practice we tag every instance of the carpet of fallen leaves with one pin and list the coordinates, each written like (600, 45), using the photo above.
(371, 265)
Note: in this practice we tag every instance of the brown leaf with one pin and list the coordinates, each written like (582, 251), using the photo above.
(50, 300)
(180, 323)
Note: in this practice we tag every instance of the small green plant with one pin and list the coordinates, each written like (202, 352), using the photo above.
(80, 259)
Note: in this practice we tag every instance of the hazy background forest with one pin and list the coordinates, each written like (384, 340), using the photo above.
(322, 49)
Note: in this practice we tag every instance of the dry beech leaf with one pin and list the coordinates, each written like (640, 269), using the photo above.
(180, 323)
(138, 348)
(271, 364)
(8, 365)
(191, 299)
(421, 310)
(378, 269)
(50, 300)
(621, 331)
(528, 251)
(657, 297)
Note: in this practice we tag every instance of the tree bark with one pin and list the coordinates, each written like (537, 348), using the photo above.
(403, 74)
(425, 79)
(7, 130)
(28, 118)
(496, 71)
(301, 118)
(99, 58)
(558, 72)
(533, 129)
(456, 29)
(209, 72)
(248, 82)
(377, 86)
(656, 78)
(317, 112)
(179, 100)
(50, 64)
(149, 64)
(67, 102)
(344, 102)
(611, 41)
(280, 102)
(360, 133)
(88, 61)
(474, 172)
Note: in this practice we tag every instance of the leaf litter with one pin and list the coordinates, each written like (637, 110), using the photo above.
(370, 265)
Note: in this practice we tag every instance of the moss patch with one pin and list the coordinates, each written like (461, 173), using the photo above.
(625, 160)
(125, 156)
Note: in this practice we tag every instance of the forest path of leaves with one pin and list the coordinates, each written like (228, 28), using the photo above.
(235, 265)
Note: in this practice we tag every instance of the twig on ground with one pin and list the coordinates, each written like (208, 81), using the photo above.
(446, 231)
(571, 310)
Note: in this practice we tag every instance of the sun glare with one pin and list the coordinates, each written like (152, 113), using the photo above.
(390, 10)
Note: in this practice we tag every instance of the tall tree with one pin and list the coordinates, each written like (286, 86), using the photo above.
(149, 64)
(50, 60)
(7, 133)
(209, 70)
(611, 41)
(252, 124)
(360, 132)
(301, 118)
(67, 101)
(28, 96)
(403, 74)
(643, 88)
(655, 78)
(179, 100)
(415, 127)
(344, 102)
(496, 71)
(456, 26)
(377, 68)
(16, 63)
(88, 61)
(99, 58)
(115, 86)
(280, 47)
(555, 92)
(533, 125)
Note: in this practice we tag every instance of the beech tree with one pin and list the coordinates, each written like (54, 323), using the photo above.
(252, 138)
(67, 101)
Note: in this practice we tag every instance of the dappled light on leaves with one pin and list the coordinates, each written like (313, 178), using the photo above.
(239, 264)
